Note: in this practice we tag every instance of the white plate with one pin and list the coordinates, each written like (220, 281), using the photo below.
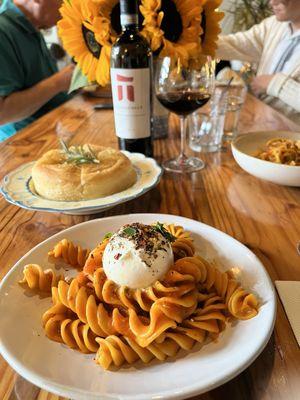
(17, 188)
(246, 146)
(58, 369)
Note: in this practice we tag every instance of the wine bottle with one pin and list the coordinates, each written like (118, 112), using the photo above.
(131, 64)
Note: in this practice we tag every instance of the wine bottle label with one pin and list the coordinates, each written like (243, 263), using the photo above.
(131, 98)
(129, 19)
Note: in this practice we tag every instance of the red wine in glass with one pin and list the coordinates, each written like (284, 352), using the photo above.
(183, 102)
(183, 86)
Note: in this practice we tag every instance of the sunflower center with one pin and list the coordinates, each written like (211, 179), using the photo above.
(91, 42)
(172, 22)
(203, 26)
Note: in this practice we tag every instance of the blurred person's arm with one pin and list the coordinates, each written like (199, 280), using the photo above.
(285, 88)
(244, 46)
(17, 103)
(22, 103)
(278, 85)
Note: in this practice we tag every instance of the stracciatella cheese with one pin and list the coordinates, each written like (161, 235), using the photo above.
(137, 256)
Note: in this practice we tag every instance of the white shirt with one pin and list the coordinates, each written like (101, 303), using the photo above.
(260, 45)
(287, 39)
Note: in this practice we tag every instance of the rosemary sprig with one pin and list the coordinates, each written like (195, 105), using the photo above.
(78, 155)
(159, 227)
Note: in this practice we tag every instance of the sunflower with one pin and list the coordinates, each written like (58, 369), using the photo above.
(210, 23)
(88, 30)
(86, 34)
(176, 28)
(172, 27)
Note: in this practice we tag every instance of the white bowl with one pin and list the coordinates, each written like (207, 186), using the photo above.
(247, 145)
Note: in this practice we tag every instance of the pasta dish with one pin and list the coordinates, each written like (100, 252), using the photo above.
(282, 151)
(143, 293)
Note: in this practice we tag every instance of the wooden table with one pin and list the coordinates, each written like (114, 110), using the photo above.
(263, 216)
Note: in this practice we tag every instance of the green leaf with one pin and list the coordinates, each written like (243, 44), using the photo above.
(108, 235)
(129, 231)
(79, 80)
(159, 227)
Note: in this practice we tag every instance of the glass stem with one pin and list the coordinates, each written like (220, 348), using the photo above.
(182, 157)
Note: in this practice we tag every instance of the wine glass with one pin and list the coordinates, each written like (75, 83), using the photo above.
(183, 87)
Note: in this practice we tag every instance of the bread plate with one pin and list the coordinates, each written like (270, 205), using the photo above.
(246, 146)
(17, 188)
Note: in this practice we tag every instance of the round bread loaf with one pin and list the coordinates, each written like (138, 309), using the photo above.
(55, 178)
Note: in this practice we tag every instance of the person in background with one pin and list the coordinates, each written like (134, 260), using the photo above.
(30, 84)
(274, 45)
(228, 8)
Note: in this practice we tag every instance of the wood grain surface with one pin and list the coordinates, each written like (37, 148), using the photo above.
(263, 216)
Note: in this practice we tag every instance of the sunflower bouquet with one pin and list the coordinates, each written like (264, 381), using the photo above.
(175, 28)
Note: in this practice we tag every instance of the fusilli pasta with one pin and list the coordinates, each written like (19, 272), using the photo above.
(94, 260)
(190, 304)
(35, 278)
(241, 304)
(82, 302)
(115, 351)
(183, 245)
(78, 299)
(70, 253)
(73, 333)
(177, 288)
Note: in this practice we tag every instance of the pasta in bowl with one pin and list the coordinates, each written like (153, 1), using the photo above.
(178, 300)
(281, 151)
(135, 372)
(276, 160)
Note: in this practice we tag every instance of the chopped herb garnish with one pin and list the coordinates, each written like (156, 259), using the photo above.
(79, 155)
(129, 231)
(108, 235)
(159, 227)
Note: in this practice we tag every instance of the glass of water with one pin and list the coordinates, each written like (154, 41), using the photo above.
(206, 127)
(234, 96)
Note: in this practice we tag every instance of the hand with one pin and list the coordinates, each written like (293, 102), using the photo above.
(259, 84)
(63, 78)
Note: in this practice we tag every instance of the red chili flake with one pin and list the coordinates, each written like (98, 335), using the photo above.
(117, 256)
